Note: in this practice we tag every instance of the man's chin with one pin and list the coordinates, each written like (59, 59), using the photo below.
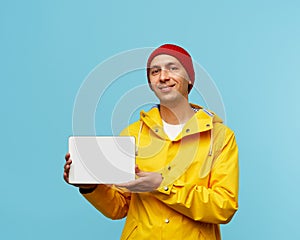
(168, 98)
(171, 98)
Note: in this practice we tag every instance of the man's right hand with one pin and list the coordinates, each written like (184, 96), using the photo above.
(67, 167)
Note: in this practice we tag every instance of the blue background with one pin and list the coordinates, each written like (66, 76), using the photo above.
(250, 48)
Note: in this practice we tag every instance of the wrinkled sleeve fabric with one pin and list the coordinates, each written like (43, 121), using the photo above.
(110, 201)
(215, 203)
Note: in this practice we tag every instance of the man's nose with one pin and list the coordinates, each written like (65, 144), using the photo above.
(164, 75)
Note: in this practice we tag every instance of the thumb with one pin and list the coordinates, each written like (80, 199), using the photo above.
(141, 173)
(137, 169)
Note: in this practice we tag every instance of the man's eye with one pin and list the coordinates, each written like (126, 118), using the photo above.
(173, 68)
(154, 71)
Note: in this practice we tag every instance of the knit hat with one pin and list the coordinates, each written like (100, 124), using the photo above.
(180, 54)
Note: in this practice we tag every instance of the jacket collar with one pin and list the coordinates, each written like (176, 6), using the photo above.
(201, 121)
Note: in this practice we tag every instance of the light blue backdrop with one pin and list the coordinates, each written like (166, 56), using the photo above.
(250, 48)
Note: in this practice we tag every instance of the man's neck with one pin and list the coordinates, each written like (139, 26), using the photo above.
(176, 113)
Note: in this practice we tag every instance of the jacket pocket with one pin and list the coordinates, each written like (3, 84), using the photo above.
(129, 230)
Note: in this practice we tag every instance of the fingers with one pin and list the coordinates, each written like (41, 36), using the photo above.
(67, 157)
(67, 167)
(146, 182)
(137, 170)
(129, 185)
(66, 177)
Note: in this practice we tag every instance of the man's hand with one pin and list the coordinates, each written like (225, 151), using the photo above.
(67, 167)
(146, 181)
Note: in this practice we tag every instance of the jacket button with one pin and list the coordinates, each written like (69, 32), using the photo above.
(156, 130)
(208, 125)
(169, 168)
(166, 188)
(187, 130)
(167, 220)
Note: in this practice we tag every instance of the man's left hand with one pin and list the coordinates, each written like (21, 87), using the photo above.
(146, 181)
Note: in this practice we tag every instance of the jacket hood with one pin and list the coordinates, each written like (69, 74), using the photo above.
(215, 117)
(152, 117)
(205, 120)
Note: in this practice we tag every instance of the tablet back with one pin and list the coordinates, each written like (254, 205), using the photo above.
(105, 159)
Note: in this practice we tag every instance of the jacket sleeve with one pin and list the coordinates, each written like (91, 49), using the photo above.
(110, 201)
(215, 203)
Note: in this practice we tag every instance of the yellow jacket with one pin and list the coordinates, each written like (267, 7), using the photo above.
(200, 180)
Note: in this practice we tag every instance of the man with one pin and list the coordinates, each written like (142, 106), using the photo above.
(187, 162)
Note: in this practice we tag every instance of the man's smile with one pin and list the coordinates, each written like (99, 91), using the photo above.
(166, 88)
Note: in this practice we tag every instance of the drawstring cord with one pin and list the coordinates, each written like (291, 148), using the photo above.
(211, 142)
(138, 140)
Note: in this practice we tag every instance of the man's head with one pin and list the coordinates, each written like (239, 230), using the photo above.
(180, 54)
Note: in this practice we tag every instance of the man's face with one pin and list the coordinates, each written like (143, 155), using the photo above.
(169, 79)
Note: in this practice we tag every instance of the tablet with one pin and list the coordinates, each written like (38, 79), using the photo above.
(105, 159)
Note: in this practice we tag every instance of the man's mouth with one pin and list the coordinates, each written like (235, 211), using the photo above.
(166, 88)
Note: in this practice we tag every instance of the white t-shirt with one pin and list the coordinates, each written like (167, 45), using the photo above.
(172, 130)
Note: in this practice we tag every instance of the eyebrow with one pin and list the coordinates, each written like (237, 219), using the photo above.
(167, 65)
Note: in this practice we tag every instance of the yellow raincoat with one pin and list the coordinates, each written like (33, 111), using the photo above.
(200, 180)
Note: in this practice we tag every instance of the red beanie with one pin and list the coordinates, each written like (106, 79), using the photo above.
(179, 53)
